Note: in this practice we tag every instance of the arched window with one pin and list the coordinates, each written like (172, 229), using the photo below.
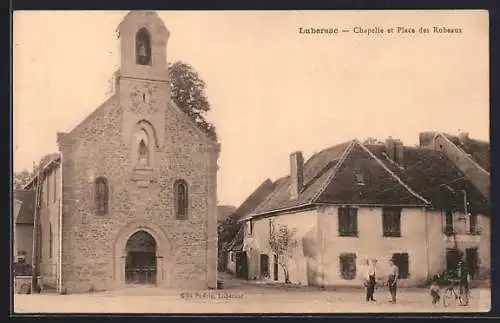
(181, 199)
(143, 154)
(143, 47)
(143, 148)
(101, 195)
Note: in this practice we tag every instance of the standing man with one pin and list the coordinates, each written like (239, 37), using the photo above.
(370, 281)
(392, 280)
(463, 278)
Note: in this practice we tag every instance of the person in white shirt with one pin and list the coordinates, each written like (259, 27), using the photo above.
(370, 281)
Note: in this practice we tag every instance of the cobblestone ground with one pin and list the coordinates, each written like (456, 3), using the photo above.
(253, 299)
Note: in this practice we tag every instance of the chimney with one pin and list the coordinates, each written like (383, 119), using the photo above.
(296, 174)
(426, 138)
(398, 152)
(389, 148)
(463, 137)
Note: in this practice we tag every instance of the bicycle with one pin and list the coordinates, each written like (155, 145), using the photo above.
(450, 292)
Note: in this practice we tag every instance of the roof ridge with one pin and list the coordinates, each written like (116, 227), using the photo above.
(273, 193)
(408, 188)
(331, 176)
(467, 155)
(253, 195)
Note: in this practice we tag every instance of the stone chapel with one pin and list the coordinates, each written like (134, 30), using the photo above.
(131, 197)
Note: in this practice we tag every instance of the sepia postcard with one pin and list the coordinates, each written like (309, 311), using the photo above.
(251, 162)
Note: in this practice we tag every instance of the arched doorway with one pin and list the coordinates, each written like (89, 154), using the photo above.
(140, 262)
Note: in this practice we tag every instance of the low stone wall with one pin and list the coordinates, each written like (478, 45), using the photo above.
(22, 284)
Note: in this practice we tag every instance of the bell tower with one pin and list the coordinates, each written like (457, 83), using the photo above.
(143, 46)
(143, 89)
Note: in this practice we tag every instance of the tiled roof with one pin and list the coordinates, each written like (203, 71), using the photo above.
(245, 208)
(425, 178)
(317, 172)
(434, 176)
(25, 215)
(379, 185)
(478, 150)
(48, 162)
(254, 199)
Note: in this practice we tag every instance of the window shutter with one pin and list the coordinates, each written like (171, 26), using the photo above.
(347, 265)
(384, 221)
(342, 220)
(354, 220)
(397, 214)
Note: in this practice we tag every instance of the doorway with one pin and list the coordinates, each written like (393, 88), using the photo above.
(472, 260)
(140, 262)
(241, 265)
(264, 266)
(452, 257)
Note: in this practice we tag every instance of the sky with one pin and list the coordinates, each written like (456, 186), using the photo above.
(273, 90)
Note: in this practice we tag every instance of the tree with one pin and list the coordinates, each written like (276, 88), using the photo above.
(283, 242)
(21, 178)
(372, 141)
(227, 229)
(188, 92)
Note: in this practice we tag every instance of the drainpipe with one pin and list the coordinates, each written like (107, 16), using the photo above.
(59, 226)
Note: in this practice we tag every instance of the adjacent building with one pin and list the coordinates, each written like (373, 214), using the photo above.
(233, 254)
(131, 195)
(23, 224)
(352, 202)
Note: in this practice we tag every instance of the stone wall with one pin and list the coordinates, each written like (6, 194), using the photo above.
(97, 148)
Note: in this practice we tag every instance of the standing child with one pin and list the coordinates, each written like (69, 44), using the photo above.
(435, 290)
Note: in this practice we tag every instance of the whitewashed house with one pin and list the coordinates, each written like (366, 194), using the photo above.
(354, 202)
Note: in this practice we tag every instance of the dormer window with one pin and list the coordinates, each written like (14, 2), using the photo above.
(143, 47)
(359, 179)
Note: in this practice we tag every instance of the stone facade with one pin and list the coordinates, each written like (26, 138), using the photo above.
(140, 144)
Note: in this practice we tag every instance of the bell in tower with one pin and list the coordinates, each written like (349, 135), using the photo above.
(143, 44)
(144, 90)
(143, 47)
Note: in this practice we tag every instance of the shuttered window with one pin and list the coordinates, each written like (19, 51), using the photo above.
(348, 221)
(391, 221)
(348, 266)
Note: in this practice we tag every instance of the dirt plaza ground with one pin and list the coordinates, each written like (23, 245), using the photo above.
(243, 298)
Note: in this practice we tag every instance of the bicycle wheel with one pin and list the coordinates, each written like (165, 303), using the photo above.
(447, 297)
(464, 298)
